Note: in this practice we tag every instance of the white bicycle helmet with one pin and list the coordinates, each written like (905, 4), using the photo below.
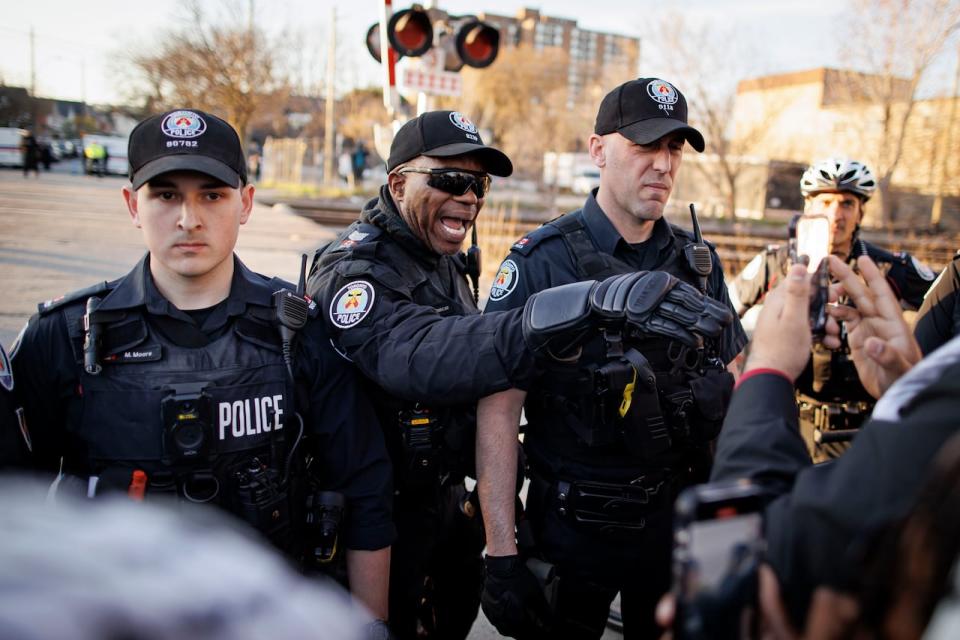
(838, 174)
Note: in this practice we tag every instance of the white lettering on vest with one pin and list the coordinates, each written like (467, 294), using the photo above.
(237, 418)
(244, 420)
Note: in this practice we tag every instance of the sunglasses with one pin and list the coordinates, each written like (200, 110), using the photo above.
(454, 181)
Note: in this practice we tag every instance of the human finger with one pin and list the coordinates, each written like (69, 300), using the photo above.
(894, 360)
(666, 610)
(884, 297)
(796, 302)
(843, 312)
(774, 614)
(831, 337)
(856, 289)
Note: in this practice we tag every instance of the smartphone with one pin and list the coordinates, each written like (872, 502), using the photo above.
(813, 241)
(718, 546)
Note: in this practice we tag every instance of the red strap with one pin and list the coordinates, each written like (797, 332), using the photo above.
(756, 372)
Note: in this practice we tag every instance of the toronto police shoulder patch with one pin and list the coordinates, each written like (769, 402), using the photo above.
(505, 281)
(352, 304)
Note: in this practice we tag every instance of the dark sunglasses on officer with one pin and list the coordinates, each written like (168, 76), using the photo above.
(454, 181)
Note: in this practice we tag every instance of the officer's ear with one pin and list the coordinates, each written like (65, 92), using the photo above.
(396, 182)
(597, 150)
(246, 202)
(130, 197)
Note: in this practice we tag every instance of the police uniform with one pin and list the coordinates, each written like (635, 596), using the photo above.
(939, 317)
(603, 484)
(200, 405)
(825, 516)
(829, 393)
(406, 317)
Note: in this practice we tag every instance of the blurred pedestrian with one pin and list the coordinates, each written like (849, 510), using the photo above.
(46, 155)
(359, 162)
(30, 150)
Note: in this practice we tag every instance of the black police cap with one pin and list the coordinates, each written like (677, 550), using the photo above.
(185, 140)
(441, 134)
(645, 110)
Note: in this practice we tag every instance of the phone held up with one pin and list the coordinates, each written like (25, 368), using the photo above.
(811, 243)
(718, 546)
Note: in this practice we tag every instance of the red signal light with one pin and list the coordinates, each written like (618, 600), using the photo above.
(410, 31)
(478, 44)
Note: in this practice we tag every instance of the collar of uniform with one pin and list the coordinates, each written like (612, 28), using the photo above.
(606, 235)
(137, 288)
(131, 289)
(383, 213)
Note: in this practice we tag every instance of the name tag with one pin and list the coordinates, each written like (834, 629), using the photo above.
(139, 354)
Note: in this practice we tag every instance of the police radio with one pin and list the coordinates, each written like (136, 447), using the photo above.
(91, 338)
(697, 253)
(473, 265)
(186, 414)
(290, 312)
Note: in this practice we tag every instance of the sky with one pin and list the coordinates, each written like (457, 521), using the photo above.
(80, 49)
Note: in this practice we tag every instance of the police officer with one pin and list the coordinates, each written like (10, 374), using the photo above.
(393, 289)
(829, 394)
(382, 285)
(193, 377)
(611, 441)
(938, 319)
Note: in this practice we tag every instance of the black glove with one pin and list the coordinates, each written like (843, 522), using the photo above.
(513, 599)
(658, 303)
(556, 321)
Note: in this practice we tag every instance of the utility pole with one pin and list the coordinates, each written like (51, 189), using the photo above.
(33, 65)
(328, 135)
(937, 211)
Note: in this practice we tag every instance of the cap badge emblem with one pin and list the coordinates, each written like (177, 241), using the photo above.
(662, 92)
(183, 124)
(462, 122)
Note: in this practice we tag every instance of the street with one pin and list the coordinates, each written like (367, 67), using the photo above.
(62, 232)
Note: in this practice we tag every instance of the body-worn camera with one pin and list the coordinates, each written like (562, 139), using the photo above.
(186, 414)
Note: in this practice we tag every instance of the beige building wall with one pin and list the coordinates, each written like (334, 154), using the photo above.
(815, 114)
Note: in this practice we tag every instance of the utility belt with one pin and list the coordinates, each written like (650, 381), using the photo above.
(609, 507)
(300, 520)
(834, 421)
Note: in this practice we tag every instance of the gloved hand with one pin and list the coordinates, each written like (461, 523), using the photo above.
(513, 599)
(556, 321)
(658, 303)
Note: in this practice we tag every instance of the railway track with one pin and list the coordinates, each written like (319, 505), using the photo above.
(736, 246)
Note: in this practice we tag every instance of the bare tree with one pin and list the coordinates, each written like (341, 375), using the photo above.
(692, 56)
(524, 99)
(895, 42)
(223, 63)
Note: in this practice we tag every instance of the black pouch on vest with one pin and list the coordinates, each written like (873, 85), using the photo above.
(711, 396)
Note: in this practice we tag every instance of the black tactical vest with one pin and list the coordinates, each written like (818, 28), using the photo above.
(213, 424)
(425, 442)
(615, 418)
